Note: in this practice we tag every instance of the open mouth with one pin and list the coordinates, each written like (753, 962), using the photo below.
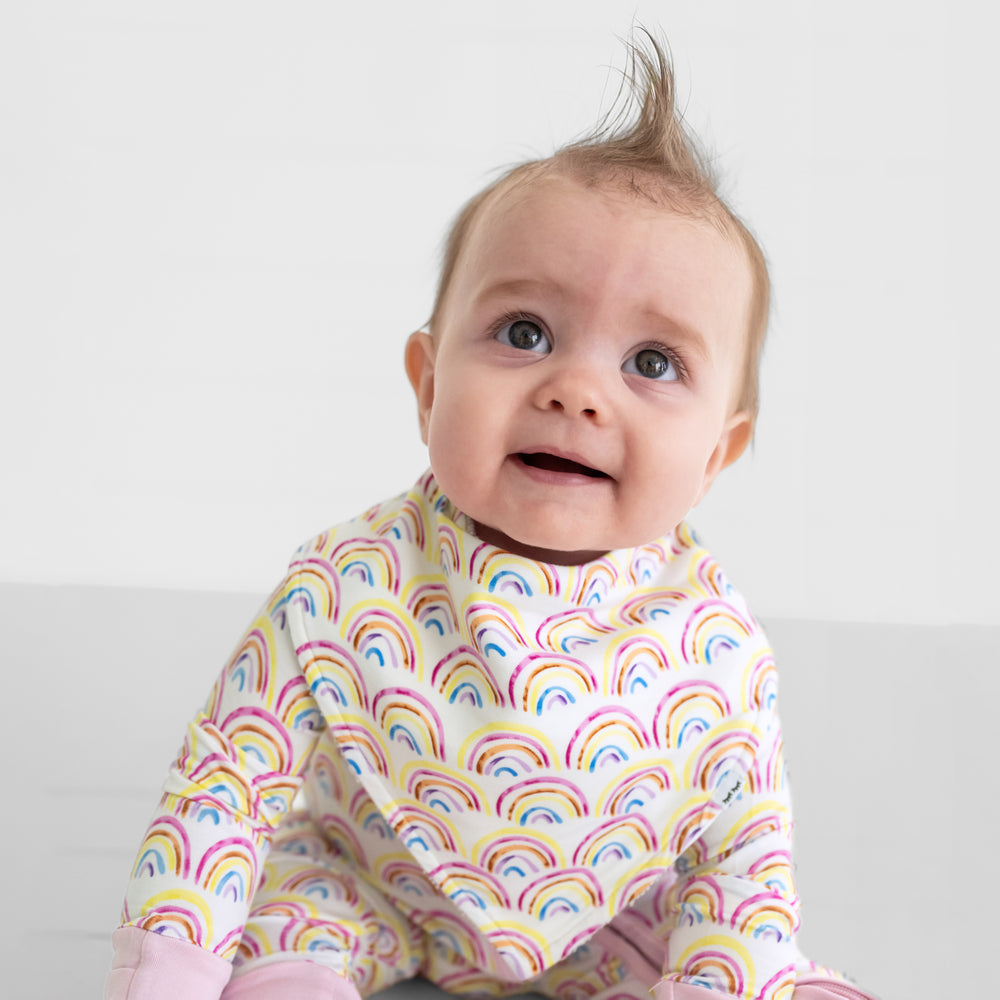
(554, 463)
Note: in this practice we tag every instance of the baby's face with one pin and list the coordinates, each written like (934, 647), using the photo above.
(577, 395)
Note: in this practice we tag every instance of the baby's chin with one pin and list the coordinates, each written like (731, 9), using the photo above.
(539, 553)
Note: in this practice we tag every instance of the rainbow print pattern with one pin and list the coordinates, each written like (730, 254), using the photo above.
(513, 753)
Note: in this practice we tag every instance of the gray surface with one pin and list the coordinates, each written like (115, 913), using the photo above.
(893, 807)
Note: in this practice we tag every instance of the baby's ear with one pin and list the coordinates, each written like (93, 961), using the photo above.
(419, 359)
(733, 441)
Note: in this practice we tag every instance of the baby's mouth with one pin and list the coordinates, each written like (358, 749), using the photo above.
(555, 463)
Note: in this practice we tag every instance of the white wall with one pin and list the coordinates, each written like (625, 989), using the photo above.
(218, 222)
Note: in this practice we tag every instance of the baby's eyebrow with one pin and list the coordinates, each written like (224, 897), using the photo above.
(691, 337)
(520, 286)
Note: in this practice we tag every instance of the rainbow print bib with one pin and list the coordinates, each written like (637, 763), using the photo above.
(516, 751)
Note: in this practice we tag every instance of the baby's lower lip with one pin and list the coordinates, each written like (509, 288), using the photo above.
(553, 468)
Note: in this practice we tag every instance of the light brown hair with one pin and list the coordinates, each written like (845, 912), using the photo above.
(643, 147)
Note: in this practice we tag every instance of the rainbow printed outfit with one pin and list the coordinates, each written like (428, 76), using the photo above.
(507, 767)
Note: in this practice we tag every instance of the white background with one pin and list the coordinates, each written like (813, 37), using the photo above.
(221, 220)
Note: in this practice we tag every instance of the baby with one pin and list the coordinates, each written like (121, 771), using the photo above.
(513, 731)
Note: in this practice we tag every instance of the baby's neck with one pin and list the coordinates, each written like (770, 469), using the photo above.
(554, 556)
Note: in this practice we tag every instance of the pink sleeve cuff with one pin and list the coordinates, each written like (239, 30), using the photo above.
(302, 980)
(825, 989)
(828, 989)
(667, 989)
(148, 966)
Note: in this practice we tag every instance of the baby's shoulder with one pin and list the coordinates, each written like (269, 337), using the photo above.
(695, 571)
(402, 518)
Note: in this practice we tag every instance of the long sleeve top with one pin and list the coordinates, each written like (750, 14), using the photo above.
(516, 751)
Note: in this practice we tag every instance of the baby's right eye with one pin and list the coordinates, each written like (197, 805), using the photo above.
(525, 335)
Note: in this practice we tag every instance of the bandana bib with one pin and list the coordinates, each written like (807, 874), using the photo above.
(516, 751)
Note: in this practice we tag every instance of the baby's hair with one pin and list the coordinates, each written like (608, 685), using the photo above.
(643, 147)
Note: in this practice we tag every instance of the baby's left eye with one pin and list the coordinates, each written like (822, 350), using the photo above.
(525, 335)
(653, 365)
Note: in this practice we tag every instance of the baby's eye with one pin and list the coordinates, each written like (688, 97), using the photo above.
(652, 364)
(525, 335)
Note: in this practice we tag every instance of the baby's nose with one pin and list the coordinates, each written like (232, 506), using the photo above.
(575, 392)
(574, 407)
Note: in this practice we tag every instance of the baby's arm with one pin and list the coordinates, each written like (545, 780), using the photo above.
(734, 901)
(233, 781)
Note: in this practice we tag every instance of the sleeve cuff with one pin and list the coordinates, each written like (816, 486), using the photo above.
(303, 980)
(667, 989)
(148, 966)
(829, 989)
(826, 989)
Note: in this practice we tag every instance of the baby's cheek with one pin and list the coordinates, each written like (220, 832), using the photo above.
(665, 497)
(455, 469)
